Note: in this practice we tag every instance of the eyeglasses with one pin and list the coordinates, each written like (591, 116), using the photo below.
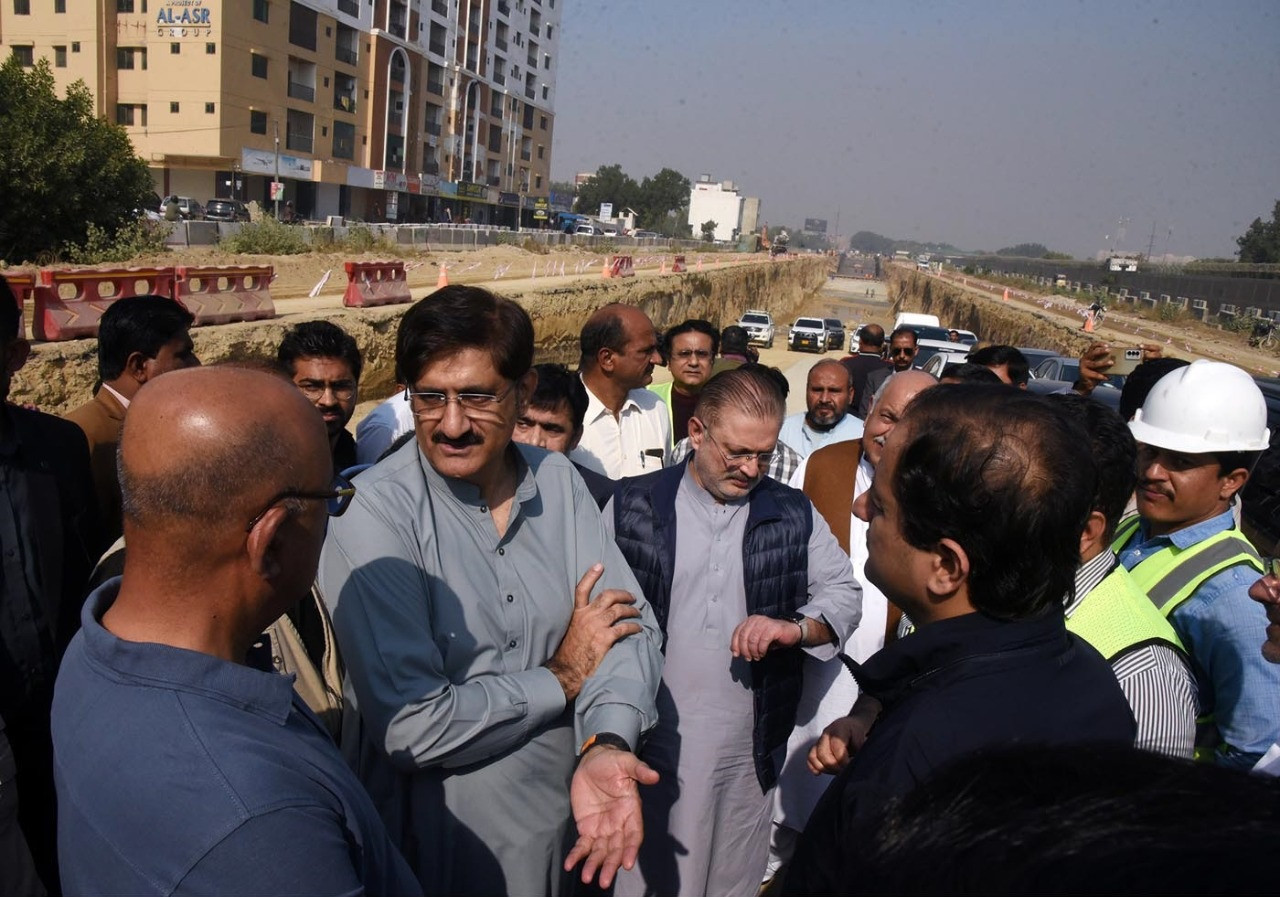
(342, 390)
(431, 405)
(737, 459)
(336, 500)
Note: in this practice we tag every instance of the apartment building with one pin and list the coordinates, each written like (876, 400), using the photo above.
(381, 110)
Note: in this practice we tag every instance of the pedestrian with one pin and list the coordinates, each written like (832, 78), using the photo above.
(903, 346)
(324, 362)
(690, 351)
(552, 419)
(869, 358)
(826, 418)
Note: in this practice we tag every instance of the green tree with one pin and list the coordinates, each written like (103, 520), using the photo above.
(870, 242)
(63, 171)
(609, 184)
(1025, 250)
(658, 196)
(709, 230)
(1260, 244)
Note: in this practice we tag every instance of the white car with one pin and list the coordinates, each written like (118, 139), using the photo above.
(587, 230)
(759, 327)
(808, 333)
(928, 349)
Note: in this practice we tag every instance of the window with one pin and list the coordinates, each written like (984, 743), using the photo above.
(75, 46)
(124, 5)
(262, 10)
(60, 57)
(542, 122)
(131, 58)
(344, 140)
(25, 56)
(211, 48)
(346, 45)
(173, 108)
(344, 92)
(175, 48)
(209, 107)
(257, 122)
(258, 65)
(131, 114)
(22, 7)
(299, 128)
(495, 138)
(59, 6)
(302, 26)
(350, 7)
(546, 91)
(540, 150)
(537, 182)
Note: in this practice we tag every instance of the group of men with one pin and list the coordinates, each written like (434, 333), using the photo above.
(591, 630)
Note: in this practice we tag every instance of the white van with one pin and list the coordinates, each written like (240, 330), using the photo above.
(915, 319)
(587, 230)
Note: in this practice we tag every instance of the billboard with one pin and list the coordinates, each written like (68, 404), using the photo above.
(815, 225)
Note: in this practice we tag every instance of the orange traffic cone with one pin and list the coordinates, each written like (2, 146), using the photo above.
(663, 269)
(1088, 322)
(1006, 294)
(608, 269)
(443, 279)
(699, 263)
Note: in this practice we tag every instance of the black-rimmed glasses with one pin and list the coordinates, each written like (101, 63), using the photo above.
(336, 500)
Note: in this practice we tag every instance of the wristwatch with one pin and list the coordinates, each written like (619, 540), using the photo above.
(799, 619)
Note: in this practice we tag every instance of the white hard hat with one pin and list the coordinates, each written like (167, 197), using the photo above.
(1206, 406)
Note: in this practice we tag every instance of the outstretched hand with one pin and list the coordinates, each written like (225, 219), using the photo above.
(606, 807)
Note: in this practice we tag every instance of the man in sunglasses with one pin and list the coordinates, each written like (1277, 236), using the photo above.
(323, 361)
(745, 579)
(180, 768)
(501, 661)
(903, 346)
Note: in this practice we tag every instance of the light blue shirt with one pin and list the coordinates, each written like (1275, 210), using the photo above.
(806, 440)
(1223, 629)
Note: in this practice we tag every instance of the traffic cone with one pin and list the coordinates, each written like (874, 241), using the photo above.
(1006, 294)
(443, 279)
(663, 269)
(1088, 322)
(699, 263)
(608, 271)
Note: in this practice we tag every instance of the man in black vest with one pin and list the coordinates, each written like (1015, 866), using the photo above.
(742, 573)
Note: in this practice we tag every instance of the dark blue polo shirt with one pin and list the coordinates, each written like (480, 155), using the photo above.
(179, 773)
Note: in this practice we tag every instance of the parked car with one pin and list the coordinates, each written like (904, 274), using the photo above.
(226, 210)
(759, 327)
(938, 364)
(610, 230)
(1035, 356)
(807, 333)
(1062, 367)
(188, 209)
(968, 337)
(645, 234)
(587, 230)
(928, 348)
(835, 333)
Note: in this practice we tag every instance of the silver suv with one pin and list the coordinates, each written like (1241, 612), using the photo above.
(759, 327)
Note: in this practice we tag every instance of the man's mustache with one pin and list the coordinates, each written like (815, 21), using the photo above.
(463, 441)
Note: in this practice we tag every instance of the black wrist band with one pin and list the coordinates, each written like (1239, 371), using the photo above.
(605, 738)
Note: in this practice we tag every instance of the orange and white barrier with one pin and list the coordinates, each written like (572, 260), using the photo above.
(375, 283)
(221, 295)
(619, 266)
(677, 265)
(69, 304)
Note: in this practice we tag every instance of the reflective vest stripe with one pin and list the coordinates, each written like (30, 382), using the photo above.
(1177, 585)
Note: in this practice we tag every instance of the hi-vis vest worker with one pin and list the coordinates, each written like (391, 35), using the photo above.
(1199, 433)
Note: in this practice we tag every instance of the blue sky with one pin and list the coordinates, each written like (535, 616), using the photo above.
(981, 124)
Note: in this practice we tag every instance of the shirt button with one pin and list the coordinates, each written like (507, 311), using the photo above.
(511, 644)
(510, 598)
(484, 509)
(502, 551)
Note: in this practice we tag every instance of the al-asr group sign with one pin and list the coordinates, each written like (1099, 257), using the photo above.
(184, 18)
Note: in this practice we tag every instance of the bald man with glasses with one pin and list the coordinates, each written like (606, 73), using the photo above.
(180, 767)
(745, 578)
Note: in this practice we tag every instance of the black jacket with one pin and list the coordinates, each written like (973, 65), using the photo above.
(950, 689)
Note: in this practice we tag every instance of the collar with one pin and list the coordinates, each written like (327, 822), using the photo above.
(596, 409)
(1090, 574)
(913, 662)
(148, 665)
(124, 403)
(701, 496)
(1191, 535)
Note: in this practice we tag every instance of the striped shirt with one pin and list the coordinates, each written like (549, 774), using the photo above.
(782, 465)
(1155, 679)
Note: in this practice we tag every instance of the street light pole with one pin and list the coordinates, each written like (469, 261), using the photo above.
(274, 189)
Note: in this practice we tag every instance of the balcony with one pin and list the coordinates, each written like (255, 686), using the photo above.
(346, 102)
(300, 142)
(441, 7)
(433, 127)
(530, 92)
(436, 87)
(350, 7)
(436, 47)
(346, 54)
(302, 92)
(498, 77)
(504, 8)
(500, 43)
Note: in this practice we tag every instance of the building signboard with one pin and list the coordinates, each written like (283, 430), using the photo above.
(184, 18)
(606, 210)
(541, 209)
(390, 180)
(430, 183)
(815, 225)
(509, 199)
(264, 162)
(468, 190)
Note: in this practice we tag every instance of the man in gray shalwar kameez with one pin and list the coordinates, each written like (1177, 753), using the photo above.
(745, 578)
(477, 667)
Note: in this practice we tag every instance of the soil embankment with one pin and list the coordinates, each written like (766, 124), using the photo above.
(61, 376)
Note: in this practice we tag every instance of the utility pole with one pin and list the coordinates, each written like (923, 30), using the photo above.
(1152, 244)
(274, 189)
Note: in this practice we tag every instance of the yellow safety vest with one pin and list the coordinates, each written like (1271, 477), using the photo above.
(1172, 575)
(1117, 617)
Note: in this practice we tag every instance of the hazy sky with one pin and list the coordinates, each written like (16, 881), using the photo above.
(979, 124)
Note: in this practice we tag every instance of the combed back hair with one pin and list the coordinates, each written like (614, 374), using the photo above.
(734, 340)
(556, 386)
(968, 372)
(460, 317)
(1007, 476)
(137, 324)
(603, 331)
(10, 314)
(1078, 819)
(994, 356)
(1114, 452)
(1138, 385)
(319, 339)
(872, 335)
(692, 325)
(750, 388)
(211, 491)
(904, 330)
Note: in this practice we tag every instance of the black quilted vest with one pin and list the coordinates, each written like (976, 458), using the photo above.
(775, 561)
